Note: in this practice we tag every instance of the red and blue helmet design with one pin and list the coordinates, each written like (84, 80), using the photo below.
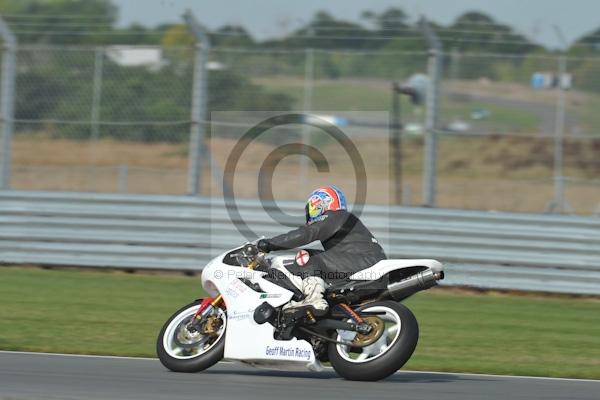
(323, 199)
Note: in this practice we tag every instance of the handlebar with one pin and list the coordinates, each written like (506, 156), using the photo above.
(248, 254)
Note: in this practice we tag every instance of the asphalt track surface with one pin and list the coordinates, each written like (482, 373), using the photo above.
(26, 376)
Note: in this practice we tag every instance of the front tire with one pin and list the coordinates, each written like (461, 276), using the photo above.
(182, 349)
(387, 354)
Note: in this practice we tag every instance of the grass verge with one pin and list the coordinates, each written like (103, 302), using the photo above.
(367, 96)
(93, 312)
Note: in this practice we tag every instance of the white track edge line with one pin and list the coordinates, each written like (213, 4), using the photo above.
(74, 355)
(233, 362)
(35, 353)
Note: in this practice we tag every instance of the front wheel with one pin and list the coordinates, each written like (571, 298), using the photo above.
(185, 347)
(396, 334)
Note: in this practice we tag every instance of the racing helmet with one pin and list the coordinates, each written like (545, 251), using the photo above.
(326, 198)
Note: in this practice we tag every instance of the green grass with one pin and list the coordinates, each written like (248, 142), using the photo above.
(501, 118)
(342, 96)
(116, 313)
(88, 312)
(588, 115)
(507, 334)
(334, 96)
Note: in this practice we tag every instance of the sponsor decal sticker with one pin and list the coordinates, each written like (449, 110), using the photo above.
(270, 295)
(283, 351)
(239, 315)
(235, 288)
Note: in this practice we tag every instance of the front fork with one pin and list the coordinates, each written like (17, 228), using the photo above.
(208, 304)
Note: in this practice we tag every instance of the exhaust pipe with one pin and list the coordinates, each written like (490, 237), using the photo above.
(413, 284)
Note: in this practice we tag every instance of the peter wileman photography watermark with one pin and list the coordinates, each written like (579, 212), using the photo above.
(243, 273)
(270, 162)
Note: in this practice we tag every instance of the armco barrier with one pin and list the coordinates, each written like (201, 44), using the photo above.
(481, 249)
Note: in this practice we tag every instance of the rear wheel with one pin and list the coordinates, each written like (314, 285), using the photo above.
(396, 334)
(183, 347)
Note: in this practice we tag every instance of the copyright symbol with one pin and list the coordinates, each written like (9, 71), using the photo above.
(266, 171)
(218, 274)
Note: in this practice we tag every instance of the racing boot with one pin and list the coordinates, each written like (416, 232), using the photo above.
(313, 288)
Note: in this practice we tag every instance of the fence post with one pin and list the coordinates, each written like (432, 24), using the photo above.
(309, 73)
(199, 104)
(396, 143)
(95, 111)
(559, 203)
(559, 179)
(431, 122)
(123, 178)
(7, 101)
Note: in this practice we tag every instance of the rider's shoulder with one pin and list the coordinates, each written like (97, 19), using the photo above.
(339, 214)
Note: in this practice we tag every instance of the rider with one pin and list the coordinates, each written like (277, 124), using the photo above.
(349, 246)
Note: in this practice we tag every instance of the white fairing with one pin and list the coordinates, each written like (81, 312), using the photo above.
(245, 340)
(249, 342)
(386, 266)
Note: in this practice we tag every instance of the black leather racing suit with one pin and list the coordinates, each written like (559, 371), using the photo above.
(349, 246)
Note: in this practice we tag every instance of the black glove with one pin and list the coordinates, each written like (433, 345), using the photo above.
(263, 246)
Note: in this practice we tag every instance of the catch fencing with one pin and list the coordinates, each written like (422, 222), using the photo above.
(181, 233)
(118, 118)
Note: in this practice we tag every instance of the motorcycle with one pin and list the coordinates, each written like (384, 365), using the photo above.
(367, 334)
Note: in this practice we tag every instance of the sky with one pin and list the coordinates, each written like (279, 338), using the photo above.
(272, 18)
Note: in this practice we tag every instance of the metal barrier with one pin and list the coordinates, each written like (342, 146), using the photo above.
(481, 249)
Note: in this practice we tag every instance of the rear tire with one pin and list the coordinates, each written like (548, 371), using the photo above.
(384, 357)
(167, 351)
